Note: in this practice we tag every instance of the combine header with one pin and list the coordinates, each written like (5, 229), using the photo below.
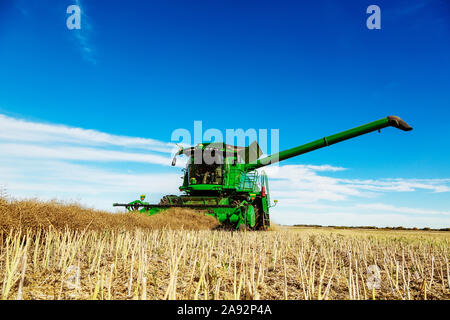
(223, 181)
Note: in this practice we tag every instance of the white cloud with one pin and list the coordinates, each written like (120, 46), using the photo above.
(303, 184)
(362, 208)
(76, 153)
(12, 129)
(377, 207)
(400, 185)
(307, 197)
(67, 177)
(370, 214)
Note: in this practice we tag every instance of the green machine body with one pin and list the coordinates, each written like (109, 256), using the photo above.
(228, 182)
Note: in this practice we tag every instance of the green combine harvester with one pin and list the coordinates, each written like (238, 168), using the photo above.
(222, 180)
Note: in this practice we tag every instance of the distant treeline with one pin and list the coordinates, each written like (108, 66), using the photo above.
(369, 227)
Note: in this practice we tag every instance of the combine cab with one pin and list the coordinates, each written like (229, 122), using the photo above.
(222, 180)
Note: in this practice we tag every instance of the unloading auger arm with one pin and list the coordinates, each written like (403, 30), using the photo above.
(390, 121)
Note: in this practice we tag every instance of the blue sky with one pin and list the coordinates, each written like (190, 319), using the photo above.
(88, 114)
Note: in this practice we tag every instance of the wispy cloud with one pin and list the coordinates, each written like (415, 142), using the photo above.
(400, 185)
(361, 208)
(18, 130)
(307, 196)
(84, 35)
(76, 153)
(304, 184)
(381, 207)
(57, 176)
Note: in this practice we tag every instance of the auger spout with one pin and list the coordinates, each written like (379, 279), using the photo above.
(390, 121)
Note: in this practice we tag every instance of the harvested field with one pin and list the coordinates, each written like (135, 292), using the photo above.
(289, 263)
